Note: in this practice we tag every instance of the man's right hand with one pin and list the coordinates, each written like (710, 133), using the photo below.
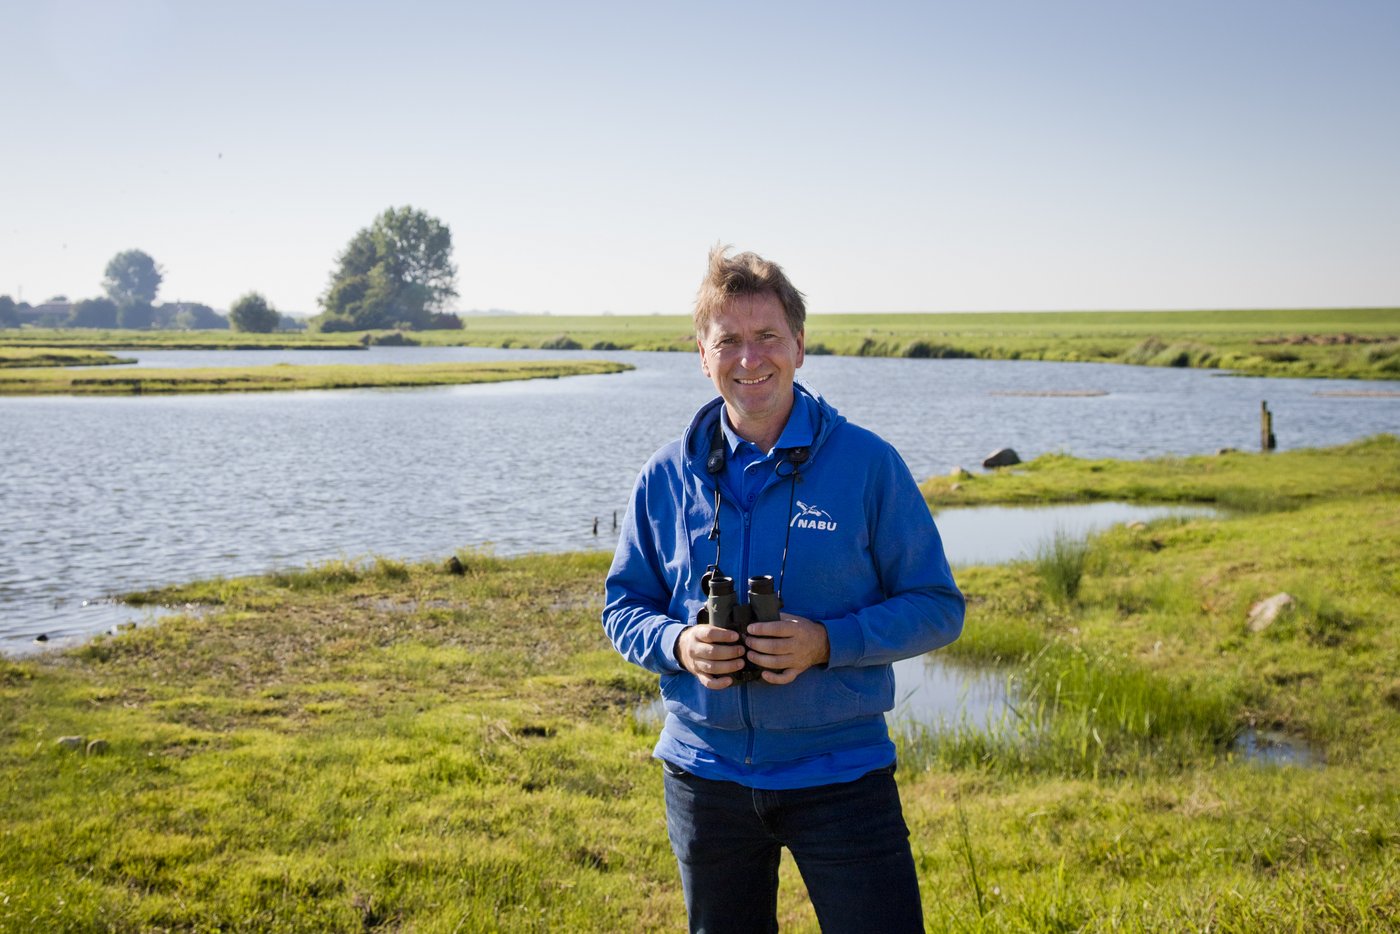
(711, 654)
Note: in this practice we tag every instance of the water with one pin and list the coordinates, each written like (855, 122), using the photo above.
(100, 496)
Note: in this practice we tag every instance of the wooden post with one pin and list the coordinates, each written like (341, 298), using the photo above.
(1267, 441)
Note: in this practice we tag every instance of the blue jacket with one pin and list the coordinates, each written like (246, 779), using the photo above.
(864, 559)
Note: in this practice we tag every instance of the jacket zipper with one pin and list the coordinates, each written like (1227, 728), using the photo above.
(750, 733)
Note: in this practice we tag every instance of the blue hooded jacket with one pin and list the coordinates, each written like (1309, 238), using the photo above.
(864, 559)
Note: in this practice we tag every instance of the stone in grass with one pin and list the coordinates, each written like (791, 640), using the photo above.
(1263, 614)
(454, 565)
(959, 473)
(73, 743)
(1002, 457)
(98, 747)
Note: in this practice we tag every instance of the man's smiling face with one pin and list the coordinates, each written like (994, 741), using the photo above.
(750, 353)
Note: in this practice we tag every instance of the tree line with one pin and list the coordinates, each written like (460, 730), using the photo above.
(395, 273)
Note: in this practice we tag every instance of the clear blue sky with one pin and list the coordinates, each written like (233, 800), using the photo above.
(892, 156)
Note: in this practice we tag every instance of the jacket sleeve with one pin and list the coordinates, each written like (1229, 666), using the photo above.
(636, 613)
(922, 607)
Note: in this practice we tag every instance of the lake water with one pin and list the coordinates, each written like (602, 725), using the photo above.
(105, 495)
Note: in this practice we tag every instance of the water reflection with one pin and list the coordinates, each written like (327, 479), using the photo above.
(1270, 747)
(994, 534)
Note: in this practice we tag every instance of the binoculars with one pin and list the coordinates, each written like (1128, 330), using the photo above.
(723, 609)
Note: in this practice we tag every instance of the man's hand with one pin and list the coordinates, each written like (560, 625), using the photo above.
(711, 654)
(788, 647)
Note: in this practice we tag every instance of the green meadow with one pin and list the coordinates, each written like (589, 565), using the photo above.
(55, 356)
(284, 376)
(368, 744)
(1357, 343)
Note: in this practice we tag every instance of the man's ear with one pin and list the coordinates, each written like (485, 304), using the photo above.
(801, 347)
(704, 364)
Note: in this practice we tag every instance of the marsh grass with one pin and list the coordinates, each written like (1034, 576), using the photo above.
(54, 356)
(1060, 562)
(279, 377)
(372, 744)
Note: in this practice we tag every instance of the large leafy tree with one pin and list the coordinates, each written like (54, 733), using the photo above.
(253, 313)
(132, 278)
(94, 313)
(397, 272)
(9, 312)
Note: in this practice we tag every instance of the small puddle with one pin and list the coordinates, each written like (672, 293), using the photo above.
(995, 534)
(933, 692)
(1270, 747)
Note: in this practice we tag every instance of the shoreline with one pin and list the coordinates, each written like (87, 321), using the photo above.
(286, 377)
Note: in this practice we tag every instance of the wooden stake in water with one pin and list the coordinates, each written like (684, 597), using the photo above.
(1267, 441)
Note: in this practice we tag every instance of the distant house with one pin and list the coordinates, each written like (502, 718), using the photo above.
(47, 315)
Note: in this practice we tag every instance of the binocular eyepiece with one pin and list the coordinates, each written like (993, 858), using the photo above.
(723, 609)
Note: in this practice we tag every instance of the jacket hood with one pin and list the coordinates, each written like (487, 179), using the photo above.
(696, 440)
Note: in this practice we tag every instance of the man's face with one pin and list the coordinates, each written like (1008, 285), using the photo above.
(751, 355)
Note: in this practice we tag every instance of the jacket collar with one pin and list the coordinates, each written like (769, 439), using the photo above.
(821, 418)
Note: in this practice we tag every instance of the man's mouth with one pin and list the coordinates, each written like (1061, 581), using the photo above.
(751, 382)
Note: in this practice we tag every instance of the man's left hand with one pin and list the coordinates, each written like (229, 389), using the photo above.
(787, 647)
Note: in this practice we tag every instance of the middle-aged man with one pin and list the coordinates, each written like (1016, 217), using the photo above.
(777, 738)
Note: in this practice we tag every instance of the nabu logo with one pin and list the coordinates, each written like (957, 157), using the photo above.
(813, 518)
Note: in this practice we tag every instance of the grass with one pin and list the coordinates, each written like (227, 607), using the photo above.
(280, 377)
(1233, 480)
(377, 744)
(126, 339)
(1357, 343)
(54, 356)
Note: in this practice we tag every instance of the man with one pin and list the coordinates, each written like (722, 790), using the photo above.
(770, 480)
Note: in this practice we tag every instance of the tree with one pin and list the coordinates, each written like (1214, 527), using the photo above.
(394, 273)
(190, 316)
(137, 315)
(253, 313)
(94, 313)
(132, 276)
(9, 313)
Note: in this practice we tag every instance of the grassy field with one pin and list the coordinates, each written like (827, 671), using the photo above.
(283, 376)
(1336, 342)
(124, 339)
(55, 356)
(367, 744)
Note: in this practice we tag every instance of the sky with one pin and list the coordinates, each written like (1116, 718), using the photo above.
(934, 156)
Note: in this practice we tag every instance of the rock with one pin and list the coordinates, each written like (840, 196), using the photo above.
(1263, 613)
(1223, 451)
(1002, 457)
(71, 742)
(454, 565)
(42, 637)
(98, 747)
(958, 473)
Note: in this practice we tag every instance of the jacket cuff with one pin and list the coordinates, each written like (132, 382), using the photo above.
(669, 634)
(846, 641)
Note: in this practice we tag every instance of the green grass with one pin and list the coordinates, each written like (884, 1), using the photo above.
(378, 744)
(54, 356)
(125, 339)
(279, 377)
(1236, 481)
(1359, 343)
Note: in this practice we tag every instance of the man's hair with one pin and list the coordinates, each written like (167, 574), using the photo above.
(745, 274)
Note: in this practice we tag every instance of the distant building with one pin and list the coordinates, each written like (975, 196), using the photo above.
(47, 315)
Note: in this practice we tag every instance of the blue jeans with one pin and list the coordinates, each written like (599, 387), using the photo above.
(849, 841)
